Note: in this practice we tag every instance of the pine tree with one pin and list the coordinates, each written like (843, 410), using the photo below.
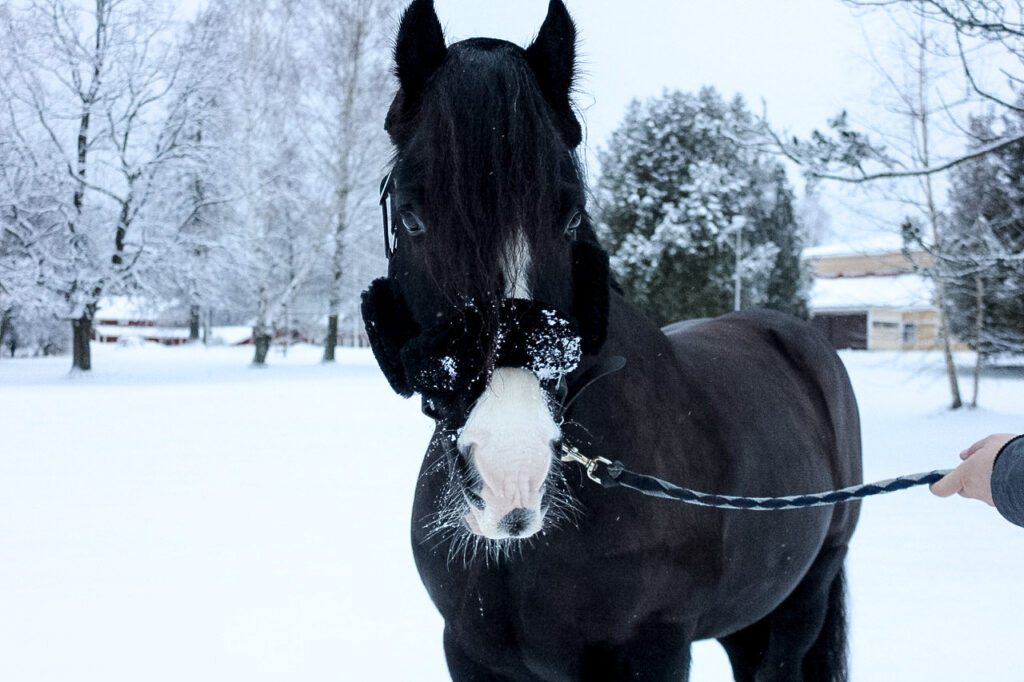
(680, 196)
(976, 257)
(985, 233)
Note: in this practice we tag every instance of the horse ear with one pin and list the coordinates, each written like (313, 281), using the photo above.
(419, 49)
(590, 296)
(552, 57)
(389, 327)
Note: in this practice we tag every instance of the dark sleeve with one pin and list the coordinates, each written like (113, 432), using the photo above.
(1008, 481)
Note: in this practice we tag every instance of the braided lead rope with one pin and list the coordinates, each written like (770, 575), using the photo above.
(620, 476)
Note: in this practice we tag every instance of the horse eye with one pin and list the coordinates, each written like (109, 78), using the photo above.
(412, 223)
(573, 226)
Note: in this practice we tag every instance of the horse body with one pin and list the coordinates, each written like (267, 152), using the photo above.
(744, 404)
(496, 287)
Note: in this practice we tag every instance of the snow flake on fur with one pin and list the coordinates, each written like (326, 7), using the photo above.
(457, 355)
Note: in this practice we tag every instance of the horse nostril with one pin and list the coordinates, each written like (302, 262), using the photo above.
(516, 521)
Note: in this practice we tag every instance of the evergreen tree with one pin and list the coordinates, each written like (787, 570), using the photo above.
(680, 196)
(788, 282)
(986, 234)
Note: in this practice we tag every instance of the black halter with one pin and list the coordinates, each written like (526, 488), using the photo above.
(387, 209)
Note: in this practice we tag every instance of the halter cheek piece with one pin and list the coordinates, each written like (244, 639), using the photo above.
(454, 357)
(387, 210)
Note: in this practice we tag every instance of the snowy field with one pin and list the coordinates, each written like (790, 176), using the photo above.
(179, 516)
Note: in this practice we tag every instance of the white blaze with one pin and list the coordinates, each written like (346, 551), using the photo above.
(509, 433)
(517, 265)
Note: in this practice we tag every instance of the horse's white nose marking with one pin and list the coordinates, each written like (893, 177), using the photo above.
(508, 438)
(509, 433)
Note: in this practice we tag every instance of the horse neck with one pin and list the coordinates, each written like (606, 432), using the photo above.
(633, 336)
(646, 412)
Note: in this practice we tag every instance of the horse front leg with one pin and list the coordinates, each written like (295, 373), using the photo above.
(804, 638)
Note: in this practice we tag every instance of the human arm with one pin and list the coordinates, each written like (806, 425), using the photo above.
(1008, 481)
(993, 472)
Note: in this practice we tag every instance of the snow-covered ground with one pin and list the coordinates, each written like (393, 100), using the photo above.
(179, 516)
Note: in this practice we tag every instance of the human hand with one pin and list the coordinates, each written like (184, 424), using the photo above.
(973, 478)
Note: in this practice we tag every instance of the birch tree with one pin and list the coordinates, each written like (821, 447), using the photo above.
(203, 251)
(986, 38)
(280, 214)
(919, 111)
(353, 53)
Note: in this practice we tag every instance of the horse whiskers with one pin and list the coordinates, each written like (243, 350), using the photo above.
(562, 506)
(447, 524)
(492, 552)
(445, 442)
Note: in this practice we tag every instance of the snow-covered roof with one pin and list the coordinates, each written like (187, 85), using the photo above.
(127, 308)
(887, 243)
(842, 293)
(122, 331)
(231, 336)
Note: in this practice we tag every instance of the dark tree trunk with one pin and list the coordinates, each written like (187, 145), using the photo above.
(122, 230)
(262, 343)
(947, 352)
(207, 325)
(81, 331)
(193, 323)
(947, 346)
(332, 338)
(5, 330)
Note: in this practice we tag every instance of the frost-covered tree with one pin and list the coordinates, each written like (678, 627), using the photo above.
(294, 150)
(199, 267)
(979, 259)
(230, 167)
(695, 221)
(31, 234)
(87, 102)
(350, 57)
(902, 160)
(787, 282)
(274, 229)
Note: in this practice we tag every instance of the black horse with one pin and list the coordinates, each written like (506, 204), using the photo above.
(498, 309)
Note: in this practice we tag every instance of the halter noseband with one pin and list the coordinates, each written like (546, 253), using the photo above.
(456, 355)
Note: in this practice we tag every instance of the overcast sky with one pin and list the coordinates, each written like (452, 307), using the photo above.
(801, 56)
(807, 59)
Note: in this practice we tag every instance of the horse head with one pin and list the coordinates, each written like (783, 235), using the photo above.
(496, 285)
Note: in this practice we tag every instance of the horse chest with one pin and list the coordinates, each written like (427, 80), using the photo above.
(563, 589)
(533, 612)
